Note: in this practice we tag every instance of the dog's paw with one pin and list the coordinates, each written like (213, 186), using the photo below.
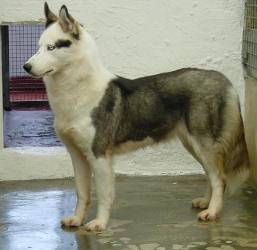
(95, 225)
(72, 221)
(208, 215)
(200, 203)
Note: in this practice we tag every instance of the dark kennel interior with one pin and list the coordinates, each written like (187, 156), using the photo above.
(27, 118)
(19, 43)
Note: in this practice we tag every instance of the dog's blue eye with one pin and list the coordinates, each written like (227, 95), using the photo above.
(50, 47)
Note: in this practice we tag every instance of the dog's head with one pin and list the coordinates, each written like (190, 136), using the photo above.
(58, 44)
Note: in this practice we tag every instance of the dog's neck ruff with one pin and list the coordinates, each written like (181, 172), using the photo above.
(86, 80)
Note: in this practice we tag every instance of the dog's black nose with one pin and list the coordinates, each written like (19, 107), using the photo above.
(27, 67)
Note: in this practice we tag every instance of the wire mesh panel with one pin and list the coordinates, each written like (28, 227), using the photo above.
(250, 62)
(23, 40)
(250, 38)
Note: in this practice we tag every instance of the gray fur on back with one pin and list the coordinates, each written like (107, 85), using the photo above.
(152, 106)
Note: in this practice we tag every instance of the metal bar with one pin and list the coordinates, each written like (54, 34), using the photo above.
(5, 67)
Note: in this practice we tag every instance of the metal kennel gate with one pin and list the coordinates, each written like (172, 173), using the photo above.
(19, 42)
(249, 54)
(249, 58)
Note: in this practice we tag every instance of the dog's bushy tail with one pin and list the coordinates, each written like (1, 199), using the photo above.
(237, 166)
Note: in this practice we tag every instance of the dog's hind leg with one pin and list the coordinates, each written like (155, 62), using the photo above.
(213, 166)
(203, 151)
(82, 173)
(216, 202)
(203, 202)
(185, 138)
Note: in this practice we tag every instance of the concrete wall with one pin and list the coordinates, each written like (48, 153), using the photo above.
(138, 38)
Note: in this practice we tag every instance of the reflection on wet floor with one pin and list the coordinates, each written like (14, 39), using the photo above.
(29, 128)
(149, 213)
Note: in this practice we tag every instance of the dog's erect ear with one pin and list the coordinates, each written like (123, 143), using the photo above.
(68, 23)
(50, 16)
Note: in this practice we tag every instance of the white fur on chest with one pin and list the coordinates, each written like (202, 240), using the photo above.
(72, 99)
(72, 104)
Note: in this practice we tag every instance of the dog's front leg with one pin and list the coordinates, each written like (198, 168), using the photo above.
(82, 173)
(104, 181)
(103, 174)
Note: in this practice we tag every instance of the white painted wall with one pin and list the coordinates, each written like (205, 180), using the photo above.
(138, 38)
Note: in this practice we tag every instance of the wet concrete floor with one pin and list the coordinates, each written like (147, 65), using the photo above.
(29, 128)
(150, 213)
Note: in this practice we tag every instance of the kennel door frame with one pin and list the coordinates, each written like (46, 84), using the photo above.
(1, 94)
(5, 66)
(249, 60)
(29, 162)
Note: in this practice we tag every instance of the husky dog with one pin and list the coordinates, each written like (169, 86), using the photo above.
(98, 115)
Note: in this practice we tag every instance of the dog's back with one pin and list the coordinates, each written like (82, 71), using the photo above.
(200, 106)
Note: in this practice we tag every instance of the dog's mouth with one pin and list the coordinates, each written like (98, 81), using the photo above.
(51, 70)
(41, 75)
